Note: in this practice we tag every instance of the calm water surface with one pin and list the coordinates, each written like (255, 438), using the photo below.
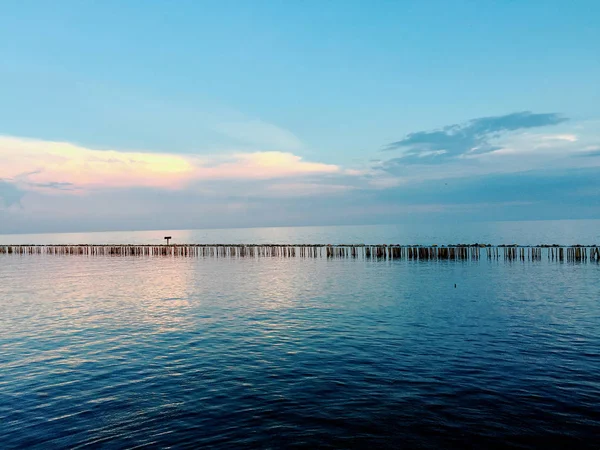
(563, 232)
(272, 353)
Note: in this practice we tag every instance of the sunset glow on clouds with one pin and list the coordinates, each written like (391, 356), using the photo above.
(52, 185)
(41, 164)
(261, 165)
(63, 167)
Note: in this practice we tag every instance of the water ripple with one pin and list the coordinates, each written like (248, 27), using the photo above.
(275, 353)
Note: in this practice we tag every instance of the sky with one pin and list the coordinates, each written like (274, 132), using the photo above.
(136, 114)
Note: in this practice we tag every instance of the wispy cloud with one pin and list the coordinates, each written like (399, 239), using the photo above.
(591, 152)
(262, 134)
(261, 165)
(55, 185)
(473, 137)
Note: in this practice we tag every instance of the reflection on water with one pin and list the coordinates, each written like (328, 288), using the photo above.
(126, 352)
(564, 232)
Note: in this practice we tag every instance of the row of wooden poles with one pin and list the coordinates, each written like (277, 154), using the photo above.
(409, 252)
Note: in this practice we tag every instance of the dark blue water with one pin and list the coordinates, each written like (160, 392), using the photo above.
(275, 353)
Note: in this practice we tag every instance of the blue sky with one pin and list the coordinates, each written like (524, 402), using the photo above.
(156, 114)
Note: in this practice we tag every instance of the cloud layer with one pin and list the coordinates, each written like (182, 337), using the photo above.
(473, 137)
(63, 166)
(516, 166)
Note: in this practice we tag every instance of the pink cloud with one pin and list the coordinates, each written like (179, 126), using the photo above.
(39, 163)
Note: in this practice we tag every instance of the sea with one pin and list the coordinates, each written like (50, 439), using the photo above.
(175, 352)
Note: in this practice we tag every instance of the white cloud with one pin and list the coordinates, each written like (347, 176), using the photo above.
(560, 137)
